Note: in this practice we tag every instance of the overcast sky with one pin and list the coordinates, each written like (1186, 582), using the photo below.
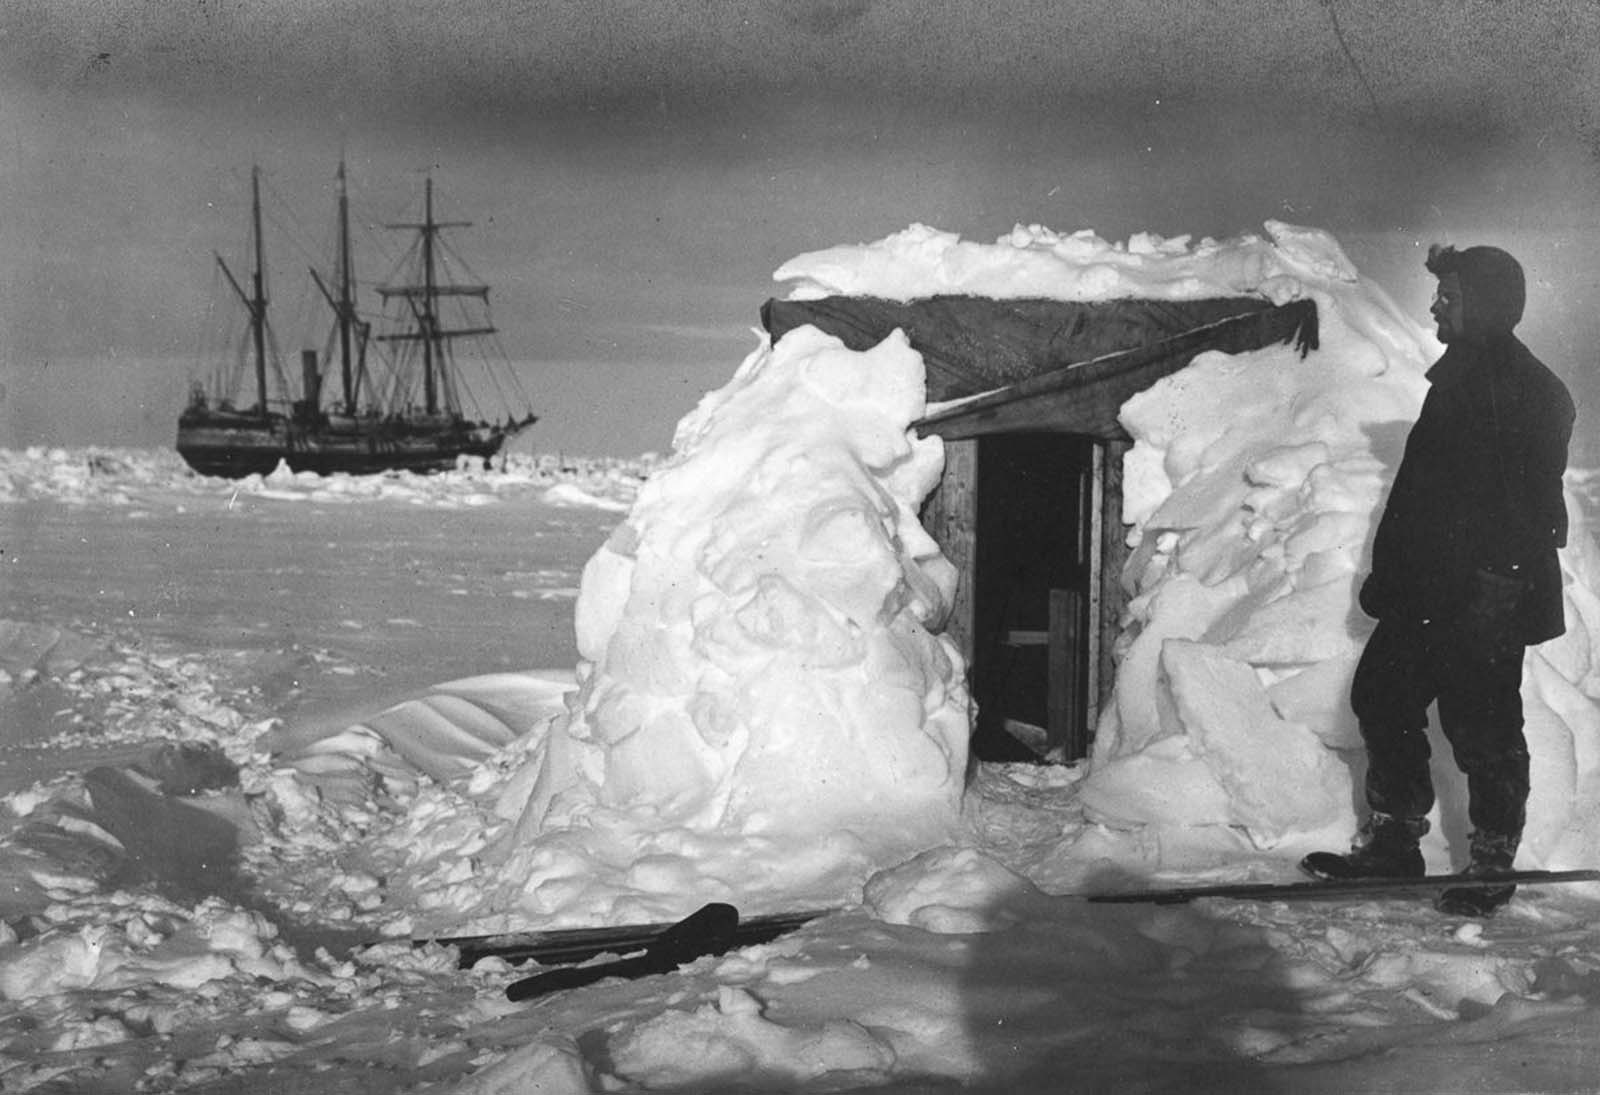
(637, 170)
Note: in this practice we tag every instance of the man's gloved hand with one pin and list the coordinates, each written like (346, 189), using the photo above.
(1372, 597)
(1489, 621)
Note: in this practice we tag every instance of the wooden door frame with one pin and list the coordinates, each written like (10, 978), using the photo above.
(950, 516)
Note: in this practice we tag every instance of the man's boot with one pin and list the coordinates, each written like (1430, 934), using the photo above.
(1492, 854)
(1386, 847)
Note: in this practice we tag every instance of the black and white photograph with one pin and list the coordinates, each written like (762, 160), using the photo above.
(799, 546)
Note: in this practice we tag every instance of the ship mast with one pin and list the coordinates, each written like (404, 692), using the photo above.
(352, 330)
(346, 305)
(429, 314)
(423, 301)
(258, 312)
(255, 301)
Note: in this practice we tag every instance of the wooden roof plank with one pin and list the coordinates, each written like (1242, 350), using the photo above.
(1086, 397)
(976, 344)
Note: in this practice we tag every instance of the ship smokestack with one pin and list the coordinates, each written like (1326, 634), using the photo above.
(312, 380)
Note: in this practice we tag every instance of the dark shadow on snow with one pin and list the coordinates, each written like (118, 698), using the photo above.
(1133, 997)
(185, 852)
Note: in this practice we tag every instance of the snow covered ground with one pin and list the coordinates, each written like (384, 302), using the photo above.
(235, 787)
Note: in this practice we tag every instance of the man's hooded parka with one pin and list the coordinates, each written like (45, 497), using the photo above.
(1479, 489)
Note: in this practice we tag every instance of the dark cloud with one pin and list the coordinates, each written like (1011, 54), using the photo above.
(827, 17)
(1526, 63)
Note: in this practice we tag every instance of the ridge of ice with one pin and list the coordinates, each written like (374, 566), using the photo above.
(123, 476)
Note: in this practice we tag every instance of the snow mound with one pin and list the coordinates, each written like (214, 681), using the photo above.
(759, 671)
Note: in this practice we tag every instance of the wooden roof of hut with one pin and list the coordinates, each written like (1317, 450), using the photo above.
(1062, 366)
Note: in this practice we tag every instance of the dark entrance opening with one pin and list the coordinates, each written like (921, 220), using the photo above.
(1031, 596)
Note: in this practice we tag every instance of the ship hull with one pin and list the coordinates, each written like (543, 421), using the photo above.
(235, 450)
(291, 424)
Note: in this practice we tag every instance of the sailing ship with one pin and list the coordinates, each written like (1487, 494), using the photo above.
(367, 423)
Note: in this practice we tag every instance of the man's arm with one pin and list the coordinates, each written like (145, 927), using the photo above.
(1546, 442)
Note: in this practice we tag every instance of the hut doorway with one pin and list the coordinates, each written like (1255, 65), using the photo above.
(1033, 526)
(1034, 573)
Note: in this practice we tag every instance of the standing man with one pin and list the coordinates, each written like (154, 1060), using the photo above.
(1464, 576)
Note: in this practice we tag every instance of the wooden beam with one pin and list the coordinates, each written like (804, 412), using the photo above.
(1027, 638)
(951, 517)
(1114, 554)
(1085, 397)
(1085, 403)
(1064, 704)
(1094, 531)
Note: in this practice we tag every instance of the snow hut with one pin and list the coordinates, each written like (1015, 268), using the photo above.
(1026, 394)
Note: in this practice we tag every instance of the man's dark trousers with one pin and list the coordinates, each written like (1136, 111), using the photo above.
(1406, 666)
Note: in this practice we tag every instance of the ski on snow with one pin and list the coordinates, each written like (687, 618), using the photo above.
(714, 929)
(1340, 887)
(562, 946)
(711, 930)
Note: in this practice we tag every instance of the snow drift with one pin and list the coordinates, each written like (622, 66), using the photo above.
(760, 684)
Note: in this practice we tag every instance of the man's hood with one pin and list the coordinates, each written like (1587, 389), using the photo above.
(1493, 288)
